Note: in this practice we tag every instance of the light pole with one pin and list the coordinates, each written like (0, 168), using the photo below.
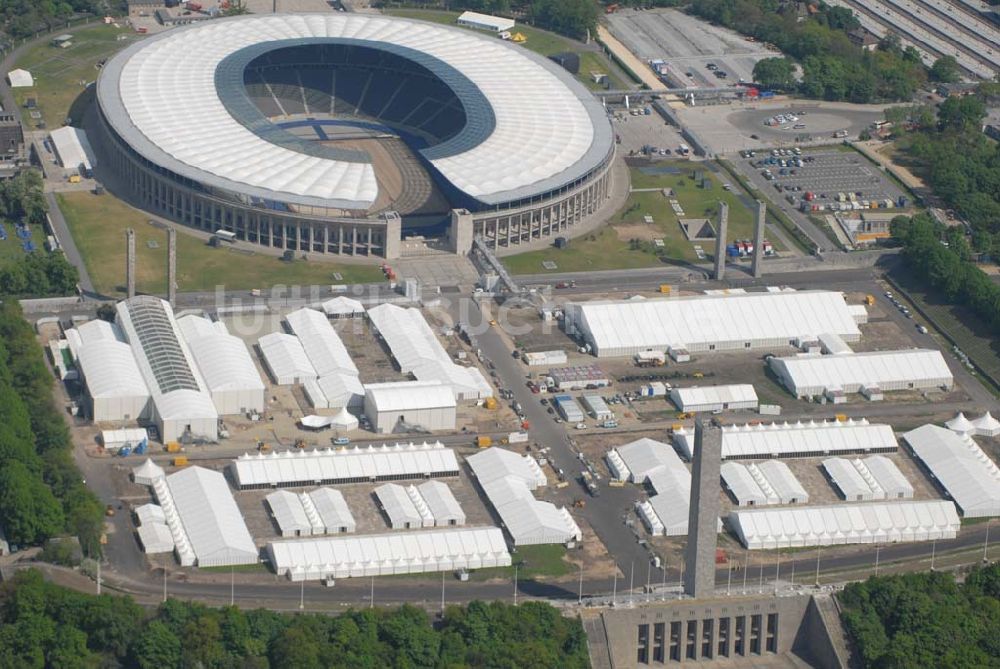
(818, 549)
(631, 582)
(302, 594)
(579, 594)
(515, 585)
(371, 597)
(232, 585)
(933, 552)
(98, 575)
(986, 543)
(877, 548)
(614, 590)
(442, 594)
(164, 584)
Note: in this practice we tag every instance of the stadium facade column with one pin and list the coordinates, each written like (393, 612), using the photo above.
(460, 231)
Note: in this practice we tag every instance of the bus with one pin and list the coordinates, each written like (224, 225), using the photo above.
(226, 235)
(683, 149)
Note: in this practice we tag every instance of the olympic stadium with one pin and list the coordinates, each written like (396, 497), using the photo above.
(343, 133)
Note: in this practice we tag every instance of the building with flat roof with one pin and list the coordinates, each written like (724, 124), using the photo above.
(400, 406)
(871, 373)
(960, 467)
(715, 398)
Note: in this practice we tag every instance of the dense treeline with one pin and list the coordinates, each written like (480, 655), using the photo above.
(41, 491)
(926, 620)
(572, 18)
(941, 256)
(833, 68)
(44, 625)
(36, 274)
(23, 18)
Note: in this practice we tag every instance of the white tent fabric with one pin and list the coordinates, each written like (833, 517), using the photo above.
(865, 523)
(987, 426)
(329, 466)
(968, 475)
(811, 375)
(780, 478)
(344, 420)
(388, 554)
(285, 358)
(110, 370)
(322, 344)
(147, 472)
(710, 322)
(772, 440)
(20, 78)
(225, 364)
(400, 509)
(508, 479)
(212, 521)
(852, 485)
(409, 395)
(960, 424)
(155, 538)
(328, 511)
(713, 398)
(533, 140)
(441, 503)
(343, 307)
(182, 543)
(887, 475)
(744, 487)
(314, 422)
(73, 148)
(289, 513)
(642, 456)
(150, 513)
(418, 351)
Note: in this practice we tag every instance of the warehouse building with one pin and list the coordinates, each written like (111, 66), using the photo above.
(115, 388)
(961, 468)
(870, 373)
(508, 479)
(289, 514)
(801, 440)
(868, 523)
(597, 407)
(703, 323)
(544, 358)
(321, 511)
(417, 351)
(635, 460)
(440, 501)
(204, 521)
(337, 384)
(568, 408)
(181, 405)
(289, 469)
(285, 359)
(225, 364)
(715, 398)
(465, 548)
(849, 482)
(399, 509)
(767, 483)
(401, 406)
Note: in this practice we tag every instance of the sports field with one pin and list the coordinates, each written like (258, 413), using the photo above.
(629, 242)
(539, 41)
(98, 224)
(62, 75)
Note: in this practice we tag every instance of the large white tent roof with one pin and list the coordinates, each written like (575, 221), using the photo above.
(781, 479)
(322, 344)
(850, 482)
(222, 359)
(888, 476)
(441, 501)
(961, 467)
(73, 147)
(110, 370)
(690, 321)
(343, 306)
(737, 393)
(864, 523)
(495, 463)
(644, 455)
(399, 507)
(289, 512)
(20, 78)
(308, 467)
(409, 395)
(285, 357)
(547, 129)
(212, 521)
(331, 510)
(870, 369)
(386, 554)
(766, 440)
(145, 473)
(155, 538)
(743, 486)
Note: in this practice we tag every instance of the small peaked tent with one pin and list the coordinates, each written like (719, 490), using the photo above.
(987, 426)
(344, 420)
(20, 79)
(313, 422)
(960, 424)
(343, 307)
(147, 472)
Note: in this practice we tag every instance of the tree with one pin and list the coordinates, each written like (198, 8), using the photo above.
(946, 70)
(774, 73)
(962, 113)
(29, 513)
(157, 646)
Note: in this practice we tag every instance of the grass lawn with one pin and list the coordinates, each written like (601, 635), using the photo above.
(611, 248)
(58, 72)
(10, 248)
(532, 562)
(254, 568)
(539, 41)
(98, 224)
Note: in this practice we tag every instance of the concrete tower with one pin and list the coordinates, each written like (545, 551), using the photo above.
(703, 516)
(720, 242)
(130, 262)
(171, 266)
(756, 268)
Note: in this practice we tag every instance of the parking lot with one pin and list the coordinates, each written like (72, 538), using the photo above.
(693, 50)
(639, 130)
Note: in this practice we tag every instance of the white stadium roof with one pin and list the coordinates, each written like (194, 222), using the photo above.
(767, 440)
(548, 131)
(887, 370)
(388, 554)
(212, 521)
(968, 475)
(626, 327)
(865, 523)
(328, 466)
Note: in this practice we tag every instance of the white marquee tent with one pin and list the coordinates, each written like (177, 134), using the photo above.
(343, 307)
(225, 364)
(150, 513)
(328, 511)
(782, 481)
(428, 404)
(865, 523)
(285, 359)
(887, 475)
(968, 474)
(715, 398)
(20, 79)
(147, 472)
(400, 510)
(811, 375)
(388, 554)
(635, 460)
(745, 489)
(155, 538)
(440, 502)
(289, 514)
(848, 479)
(773, 440)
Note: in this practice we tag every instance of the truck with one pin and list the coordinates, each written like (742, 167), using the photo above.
(587, 480)
(180, 461)
(483, 441)
(172, 447)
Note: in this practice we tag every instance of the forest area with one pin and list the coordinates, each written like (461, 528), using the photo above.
(44, 625)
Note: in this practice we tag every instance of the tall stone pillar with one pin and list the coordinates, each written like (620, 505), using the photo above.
(756, 267)
(130, 262)
(703, 515)
(460, 231)
(171, 266)
(720, 241)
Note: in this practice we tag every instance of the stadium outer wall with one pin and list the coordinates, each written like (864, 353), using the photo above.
(160, 192)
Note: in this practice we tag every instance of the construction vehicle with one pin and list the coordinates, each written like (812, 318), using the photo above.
(869, 300)
(684, 415)
(74, 178)
(300, 443)
(483, 441)
(174, 447)
(262, 447)
(490, 403)
(665, 288)
(616, 483)
(841, 418)
(180, 461)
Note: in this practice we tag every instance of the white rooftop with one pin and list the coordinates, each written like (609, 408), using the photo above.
(73, 147)
(285, 357)
(737, 393)
(881, 369)
(212, 521)
(961, 467)
(20, 78)
(409, 395)
(342, 306)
